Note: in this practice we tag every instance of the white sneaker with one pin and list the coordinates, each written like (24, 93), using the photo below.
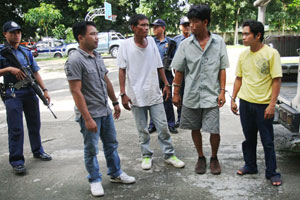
(97, 189)
(123, 178)
(146, 163)
(173, 160)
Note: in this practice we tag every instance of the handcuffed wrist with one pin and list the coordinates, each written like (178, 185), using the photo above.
(222, 90)
(176, 85)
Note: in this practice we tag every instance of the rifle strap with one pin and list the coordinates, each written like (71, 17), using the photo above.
(26, 57)
(28, 62)
(169, 41)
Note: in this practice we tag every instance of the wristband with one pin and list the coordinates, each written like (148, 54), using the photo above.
(168, 85)
(115, 103)
(45, 89)
(222, 89)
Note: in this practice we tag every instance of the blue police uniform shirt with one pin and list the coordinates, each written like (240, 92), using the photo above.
(162, 46)
(9, 78)
(178, 39)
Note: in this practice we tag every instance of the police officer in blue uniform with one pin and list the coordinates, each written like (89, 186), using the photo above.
(22, 100)
(162, 43)
(185, 29)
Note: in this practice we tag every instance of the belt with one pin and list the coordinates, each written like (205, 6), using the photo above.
(11, 85)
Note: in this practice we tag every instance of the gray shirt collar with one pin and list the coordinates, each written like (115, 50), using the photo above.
(85, 54)
(195, 41)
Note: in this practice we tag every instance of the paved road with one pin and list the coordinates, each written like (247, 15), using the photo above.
(64, 176)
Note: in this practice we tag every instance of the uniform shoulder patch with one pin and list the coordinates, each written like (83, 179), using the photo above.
(24, 48)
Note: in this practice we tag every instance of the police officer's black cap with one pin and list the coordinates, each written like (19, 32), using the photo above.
(184, 20)
(159, 22)
(10, 26)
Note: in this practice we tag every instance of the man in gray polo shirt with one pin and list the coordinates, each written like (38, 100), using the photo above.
(201, 59)
(90, 88)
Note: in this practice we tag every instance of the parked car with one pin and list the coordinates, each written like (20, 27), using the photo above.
(109, 42)
(71, 47)
(31, 45)
(51, 48)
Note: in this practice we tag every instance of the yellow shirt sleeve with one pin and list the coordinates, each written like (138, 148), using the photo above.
(238, 71)
(275, 65)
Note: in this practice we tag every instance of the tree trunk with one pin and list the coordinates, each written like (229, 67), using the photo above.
(224, 36)
(236, 31)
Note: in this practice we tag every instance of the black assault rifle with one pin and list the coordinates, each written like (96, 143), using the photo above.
(29, 79)
(168, 56)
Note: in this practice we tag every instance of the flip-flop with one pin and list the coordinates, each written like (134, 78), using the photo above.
(276, 179)
(243, 171)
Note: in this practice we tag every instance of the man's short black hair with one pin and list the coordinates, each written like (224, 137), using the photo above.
(255, 28)
(134, 20)
(201, 12)
(80, 28)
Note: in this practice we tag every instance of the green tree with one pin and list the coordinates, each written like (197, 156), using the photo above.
(168, 10)
(295, 6)
(14, 10)
(46, 16)
(227, 16)
(282, 15)
(69, 36)
(121, 8)
(59, 31)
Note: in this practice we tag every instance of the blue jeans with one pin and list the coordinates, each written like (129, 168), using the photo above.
(106, 131)
(158, 115)
(25, 101)
(252, 120)
(168, 105)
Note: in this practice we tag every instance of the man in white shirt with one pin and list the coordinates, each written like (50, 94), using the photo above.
(139, 58)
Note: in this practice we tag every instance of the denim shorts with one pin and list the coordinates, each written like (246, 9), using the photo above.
(207, 119)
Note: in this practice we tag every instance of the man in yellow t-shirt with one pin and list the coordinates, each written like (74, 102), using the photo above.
(257, 85)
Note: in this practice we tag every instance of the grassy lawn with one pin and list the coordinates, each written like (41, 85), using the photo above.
(64, 58)
(47, 59)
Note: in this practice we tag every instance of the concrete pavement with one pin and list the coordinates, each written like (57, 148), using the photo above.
(64, 176)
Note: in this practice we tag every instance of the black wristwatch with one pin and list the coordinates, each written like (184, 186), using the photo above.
(122, 94)
(115, 103)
